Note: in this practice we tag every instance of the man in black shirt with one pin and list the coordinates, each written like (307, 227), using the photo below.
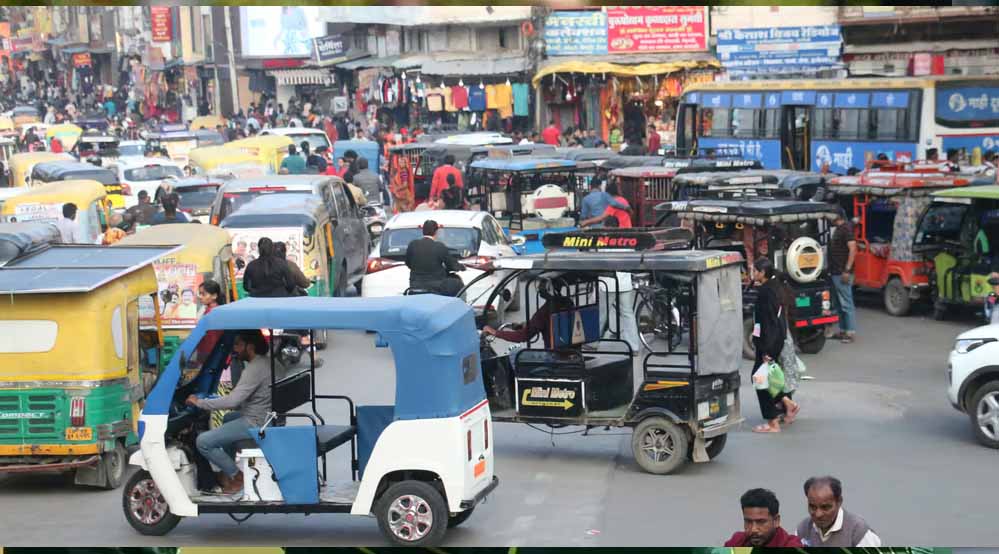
(430, 262)
(842, 254)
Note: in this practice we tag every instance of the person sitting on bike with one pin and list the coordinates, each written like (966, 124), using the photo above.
(540, 322)
(430, 264)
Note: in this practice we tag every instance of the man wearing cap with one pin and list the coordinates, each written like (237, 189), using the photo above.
(429, 262)
(842, 255)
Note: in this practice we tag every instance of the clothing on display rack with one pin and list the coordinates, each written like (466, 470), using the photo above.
(520, 99)
(448, 99)
(435, 100)
(476, 99)
(459, 97)
(491, 97)
(504, 100)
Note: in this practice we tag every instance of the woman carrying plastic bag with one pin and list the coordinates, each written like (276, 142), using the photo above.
(770, 333)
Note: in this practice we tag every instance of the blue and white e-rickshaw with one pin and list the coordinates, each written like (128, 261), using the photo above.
(419, 466)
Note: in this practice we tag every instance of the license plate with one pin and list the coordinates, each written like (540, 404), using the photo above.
(803, 302)
(808, 260)
(79, 434)
(715, 408)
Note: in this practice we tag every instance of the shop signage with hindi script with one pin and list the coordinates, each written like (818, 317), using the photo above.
(644, 29)
(329, 48)
(779, 49)
(161, 23)
(576, 33)
(81, 59)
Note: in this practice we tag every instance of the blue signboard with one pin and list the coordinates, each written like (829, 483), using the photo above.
(890, 99)
(968, 103)
(582, 33)
(767, 151)
(779, 49)
(746, 100)
(773, 100)
(987, 143)
(798, 97)
(824, 100)
(852, 100)
(716, 100)
(841, 155)
(693, 98)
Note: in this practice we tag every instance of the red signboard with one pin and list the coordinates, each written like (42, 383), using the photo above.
(656, 29)
(81, 60)
(162, 23)
(283, 63)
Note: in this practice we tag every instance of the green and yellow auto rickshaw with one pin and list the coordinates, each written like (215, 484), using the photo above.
(70, 371)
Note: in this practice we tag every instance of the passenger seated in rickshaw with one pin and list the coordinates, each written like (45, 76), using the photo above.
(540, 322)
(250, 402)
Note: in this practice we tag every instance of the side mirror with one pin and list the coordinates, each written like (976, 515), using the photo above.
(518, 240)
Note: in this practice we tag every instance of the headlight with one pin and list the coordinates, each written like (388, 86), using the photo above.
(963, 346)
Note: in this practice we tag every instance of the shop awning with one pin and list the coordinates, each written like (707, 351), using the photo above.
(301, 76)
(626, 65)
(474, 66)
(927, 46)
(394, 62)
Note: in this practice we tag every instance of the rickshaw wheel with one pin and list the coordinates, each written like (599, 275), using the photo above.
(659, 445)
(115, 462)
(413, 513)
(815, 343)
(459, 518)
(145, 507)
(897, 302)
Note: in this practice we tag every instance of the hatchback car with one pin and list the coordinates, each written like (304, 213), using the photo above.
(475, 238)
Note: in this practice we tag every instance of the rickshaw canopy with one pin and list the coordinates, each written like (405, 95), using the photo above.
(67, 133)
(268, 149)
(21, 164)
(199, 244)
(750, 211)
(68, 268)
(206, 122)
(209, 137)
(618, 161)
(680, 261)
(984, 192)
(641, 171)
(432, 338)
(18, 239)
(887, 183)
(81, 192)
(524, 164)
(6, 124)
(585, 154)
(276, 210)
(210, 157)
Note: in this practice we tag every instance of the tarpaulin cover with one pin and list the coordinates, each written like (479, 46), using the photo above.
(621, 69)
(291, 452)
(371, 421)
(719, 321)
(17, 239)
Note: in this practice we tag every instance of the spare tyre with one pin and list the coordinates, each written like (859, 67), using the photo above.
(805, 260)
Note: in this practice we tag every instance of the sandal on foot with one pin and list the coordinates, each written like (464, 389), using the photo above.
(789, 418)
(765, 429)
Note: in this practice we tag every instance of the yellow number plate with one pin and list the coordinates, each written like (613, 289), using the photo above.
(79, 434)
(714, 408)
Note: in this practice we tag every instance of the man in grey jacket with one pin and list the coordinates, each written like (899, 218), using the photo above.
(250, 401)
(828, 524)
(366, 180)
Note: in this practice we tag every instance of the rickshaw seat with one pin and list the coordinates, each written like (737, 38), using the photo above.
(245, 444)
(329, 437)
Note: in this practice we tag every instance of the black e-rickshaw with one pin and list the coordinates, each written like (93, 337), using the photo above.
(581, 370)
(790, 233)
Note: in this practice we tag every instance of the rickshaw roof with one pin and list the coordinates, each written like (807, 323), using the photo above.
(263, 141)
(762, 208)
(523, 163)
(690, 261)
(25, 110)
(725, 178)
(63, 128)
(410, 146)
(17, 239)
(276, 210)
(90, 137)
(206, 121)
(79, 191)
(196, 241)
(61, 169)
(618, 161)
(38, 157)
(644, 171)
(299, 182)
(887, 183)
(482, 138)
(585, 154)
(983, 192)
(218, 154)
(73, 268)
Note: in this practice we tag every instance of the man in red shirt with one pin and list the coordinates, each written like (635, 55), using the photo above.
(439, 181)
(623, 217)
(551, 134)
(761, 522)
(654, 141)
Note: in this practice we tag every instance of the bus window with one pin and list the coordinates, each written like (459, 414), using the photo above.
(824, 124)
(715, 122)
(852, 124)
(744, 122)
(771, 123)
(890, 124)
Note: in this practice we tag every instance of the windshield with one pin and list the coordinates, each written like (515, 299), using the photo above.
(942, 223)
(315, 140)
(102, 177)
(101, 147)
(132, 150)
(152, 173)
(232, 201)
(200, 196)
(462, 241)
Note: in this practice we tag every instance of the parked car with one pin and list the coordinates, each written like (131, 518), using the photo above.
(973, 381)
(476, 238)
(197, 194)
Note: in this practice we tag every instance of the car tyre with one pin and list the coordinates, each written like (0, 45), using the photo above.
(145, 507)
(659, 445)
(984, 412)
(815, 343)
(114, 462)
(897, 301)
(416, 499)
(459, 518)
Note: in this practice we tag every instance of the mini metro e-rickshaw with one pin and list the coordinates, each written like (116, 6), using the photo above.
(957, 232)
(419, 466)
(529, 196)
(579, 370)
(887, 202)
(792, 234)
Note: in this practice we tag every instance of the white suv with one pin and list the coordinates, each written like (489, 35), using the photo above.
(973, 381)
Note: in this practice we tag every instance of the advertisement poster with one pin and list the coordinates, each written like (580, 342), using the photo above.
(178, 294)
(280, 31)
(329, 48)
(161, 23)
(37, 211)
(633, 29)
(968, 103)
(244, 244)
(841, 155)
(579, 33)
(779, 49)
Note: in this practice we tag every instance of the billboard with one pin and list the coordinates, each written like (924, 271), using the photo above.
(280, 31)
(645, 29)
(779, 49)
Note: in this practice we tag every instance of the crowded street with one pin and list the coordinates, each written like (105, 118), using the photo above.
(498, 276)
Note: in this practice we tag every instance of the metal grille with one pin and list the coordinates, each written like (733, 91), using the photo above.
(43, 405)
(658, 188)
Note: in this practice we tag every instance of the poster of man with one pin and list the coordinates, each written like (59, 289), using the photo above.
(178, 296)
(244, 244)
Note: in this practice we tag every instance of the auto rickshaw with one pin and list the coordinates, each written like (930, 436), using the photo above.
(209, 137)
(528, 195)
(96, 145)
(71, 384)
(887, 204)
(304, 225)
(206, 122)
(21, 165)
(957, 232)
(269, 150)
(419, 465)
(204, 253)
(44, 204)
(67, 133)
(52, 172)
(576, 371)
(218, 159)
(175, 138)
(791, 233)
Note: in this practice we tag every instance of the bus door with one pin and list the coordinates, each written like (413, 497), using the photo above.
(794, 137)
(686, 129)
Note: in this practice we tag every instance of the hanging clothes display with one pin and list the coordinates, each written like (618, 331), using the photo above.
(504, 100)
(476, 99)
(491, 97)
(435, 100)
(459, 97)
(591, 106)
(448, 99)
(520, 99)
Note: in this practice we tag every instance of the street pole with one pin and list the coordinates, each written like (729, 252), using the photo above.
(232, 62)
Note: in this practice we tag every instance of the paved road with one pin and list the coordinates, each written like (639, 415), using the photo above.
(875, 415)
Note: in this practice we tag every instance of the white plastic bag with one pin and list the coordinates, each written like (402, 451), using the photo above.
(761, 377)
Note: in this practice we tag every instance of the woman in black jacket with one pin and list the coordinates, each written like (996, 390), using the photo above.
(267, 276)
(769, 329)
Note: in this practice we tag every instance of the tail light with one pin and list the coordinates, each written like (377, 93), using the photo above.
(469, 435)
(825, 295)
(483, 263)
(126, 190)
(380, 264)
(77, 411)
(485, 429)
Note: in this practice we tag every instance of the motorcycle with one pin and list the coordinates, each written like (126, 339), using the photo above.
(374, 219)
